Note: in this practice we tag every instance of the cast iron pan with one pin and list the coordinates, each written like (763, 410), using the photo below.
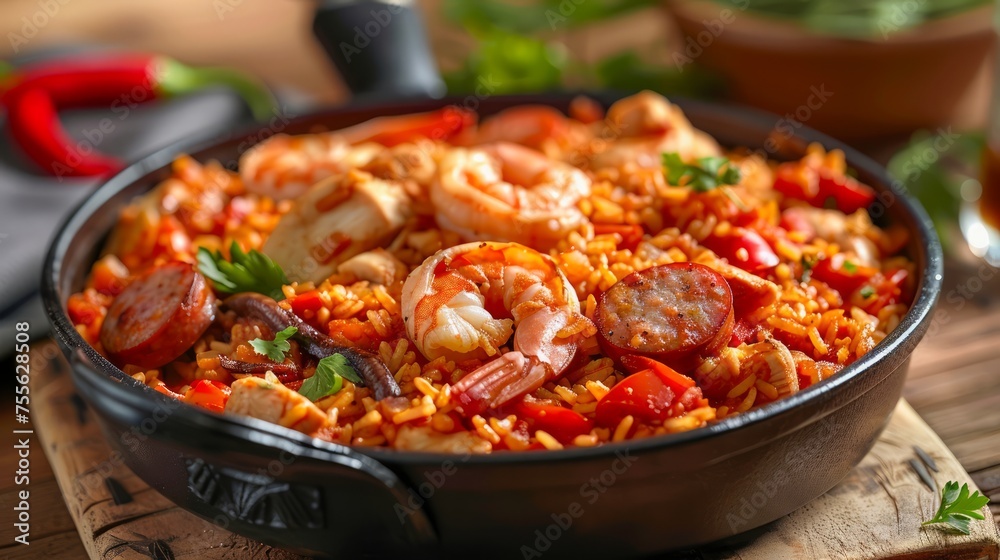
(626, 499)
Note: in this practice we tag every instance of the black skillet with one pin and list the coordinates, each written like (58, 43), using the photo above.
(626, 499)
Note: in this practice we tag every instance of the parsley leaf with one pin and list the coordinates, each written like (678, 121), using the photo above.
(958, 507)
(275, 349)
(329, 378)
(707, 174)
(867, 292)
(807, 269)
(247, 272)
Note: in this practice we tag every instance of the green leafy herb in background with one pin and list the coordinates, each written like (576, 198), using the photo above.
(329, 378)
(933, 169)
(509, 63)
(628, 72)
(246, 272)
(857, 18)
(516, 51)
(542, 15)
(958, 507)
(707, 174)
(275, 349)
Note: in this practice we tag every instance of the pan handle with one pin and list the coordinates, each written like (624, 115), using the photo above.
(250, 478)
(379, 48)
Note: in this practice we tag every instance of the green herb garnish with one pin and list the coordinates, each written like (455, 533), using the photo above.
(275, 349)
(958, 507)
(807, 269)
(707, 174)
(867, 292)
(247, 272)
(850, 267)
(329, 378)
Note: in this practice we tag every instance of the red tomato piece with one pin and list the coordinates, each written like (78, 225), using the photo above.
(797, 180)
(561, 423)
(306, 301)
(849, 194)
(677, 382)
(744, 248)
(744, 331)
(842, 275)
(631, 234)
(210, 395)
(642, 395)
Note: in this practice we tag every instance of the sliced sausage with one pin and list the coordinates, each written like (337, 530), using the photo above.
(672, 313)
(158, 316)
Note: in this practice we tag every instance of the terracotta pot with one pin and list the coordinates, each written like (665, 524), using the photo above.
(892, 84)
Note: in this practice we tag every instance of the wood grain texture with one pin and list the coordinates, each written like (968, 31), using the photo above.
(873, 514)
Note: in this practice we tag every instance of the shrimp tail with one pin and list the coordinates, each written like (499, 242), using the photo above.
(499, 382)
(535, 360)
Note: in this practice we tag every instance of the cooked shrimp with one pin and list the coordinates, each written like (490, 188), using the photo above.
(540, 127)
(286, 166)
(452, 307)
(728, 376)
(335, 220)
(269, 400)
(508, 192)
(644, 126)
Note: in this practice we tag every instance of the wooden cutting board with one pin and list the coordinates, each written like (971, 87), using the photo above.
(875, 513)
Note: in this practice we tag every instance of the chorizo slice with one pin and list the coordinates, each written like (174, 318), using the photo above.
(672, 313)
(158, 317)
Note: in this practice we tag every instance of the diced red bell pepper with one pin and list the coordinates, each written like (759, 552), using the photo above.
(441, 124)
(643, 395)
(306, 301)
(561, 423)
(744, 248)
(842, 275)
(677, 382)
(210, 395)
(631, 233)
(797, 180)
(810, 180)
(849, 194)
(744, 331)
(109, 276)
(886, 290)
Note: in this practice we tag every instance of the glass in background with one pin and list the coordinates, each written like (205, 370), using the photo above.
(980, 219)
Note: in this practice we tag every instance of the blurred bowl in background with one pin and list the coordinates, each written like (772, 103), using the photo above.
(860, 90)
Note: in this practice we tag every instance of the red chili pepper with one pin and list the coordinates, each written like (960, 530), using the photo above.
(34, 95)
(34, 123)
